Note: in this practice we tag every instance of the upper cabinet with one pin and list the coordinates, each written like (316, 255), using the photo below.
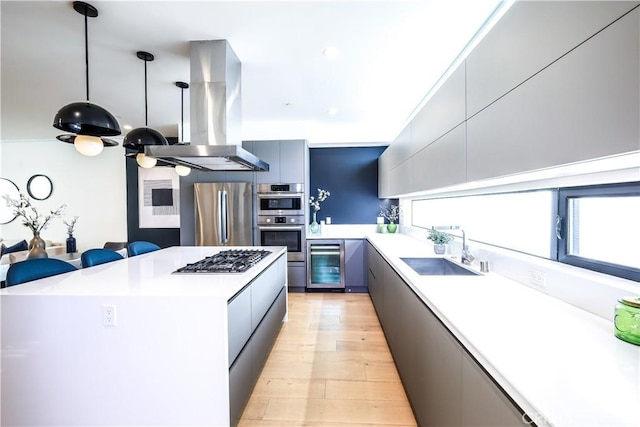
(551, 84)
(442, 163)
(443, 112)
(584, 106)
(288, 160)
(530, 36)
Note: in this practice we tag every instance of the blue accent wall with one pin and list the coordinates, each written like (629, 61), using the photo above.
(351, 175)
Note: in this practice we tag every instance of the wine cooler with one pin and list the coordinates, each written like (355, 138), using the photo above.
(325, 264)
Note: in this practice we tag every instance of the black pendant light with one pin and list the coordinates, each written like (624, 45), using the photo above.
(138, 138)
(88, 121)
(182, 170)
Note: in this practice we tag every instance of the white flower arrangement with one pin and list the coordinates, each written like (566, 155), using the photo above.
(30, 216)
(391, 213)
(315, 202)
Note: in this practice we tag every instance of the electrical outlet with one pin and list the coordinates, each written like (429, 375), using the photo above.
(537, 278)
(109, 315)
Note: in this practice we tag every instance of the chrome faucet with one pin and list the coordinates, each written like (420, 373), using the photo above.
(465, 256)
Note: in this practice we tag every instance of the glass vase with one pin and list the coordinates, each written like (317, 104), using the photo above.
(37, 247)
(71, 244)
(392, 227)
(315, 227)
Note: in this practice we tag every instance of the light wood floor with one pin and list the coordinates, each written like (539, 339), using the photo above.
(330, 366)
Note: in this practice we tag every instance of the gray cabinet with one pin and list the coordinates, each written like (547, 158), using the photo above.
(530, 36)
(355, 274)
(552, 83)
(584, 106)
(292, 161)
(297, 276)
(445, 385)
(288, 161)
(375, 279)
(255, 316)
(483, 402)
(444, 111)
(442, 163)
(438, 401)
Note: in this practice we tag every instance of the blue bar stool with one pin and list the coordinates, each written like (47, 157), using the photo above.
(33, 269)
(98, 256)
(141, 247)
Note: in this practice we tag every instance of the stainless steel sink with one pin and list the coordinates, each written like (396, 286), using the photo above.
(437, 267)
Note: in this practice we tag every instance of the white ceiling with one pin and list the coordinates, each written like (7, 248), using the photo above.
(390, 54)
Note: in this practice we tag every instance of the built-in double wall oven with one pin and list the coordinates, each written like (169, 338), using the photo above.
(281, 218)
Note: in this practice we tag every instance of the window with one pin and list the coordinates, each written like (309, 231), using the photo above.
(598, 226)
(520, 221)
(601, 228)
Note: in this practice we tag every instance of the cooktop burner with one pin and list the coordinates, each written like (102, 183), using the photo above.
(229, 261)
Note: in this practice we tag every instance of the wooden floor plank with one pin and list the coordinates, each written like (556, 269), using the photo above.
(330, 366)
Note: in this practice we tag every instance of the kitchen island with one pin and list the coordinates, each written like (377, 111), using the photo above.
(128, 343)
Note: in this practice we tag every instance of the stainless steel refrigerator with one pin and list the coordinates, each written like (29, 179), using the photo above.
(224, 213)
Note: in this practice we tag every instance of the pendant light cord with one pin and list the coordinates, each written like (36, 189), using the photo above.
(145, 93)
(86, 52)
(182, 115)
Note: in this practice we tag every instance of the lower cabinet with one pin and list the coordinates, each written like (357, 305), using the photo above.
(483, 402)
(355, 277)
(297, 276)
(445, 385)
(262, 306)
(375, 281)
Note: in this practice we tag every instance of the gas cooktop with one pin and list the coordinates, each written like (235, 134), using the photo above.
(229, 261)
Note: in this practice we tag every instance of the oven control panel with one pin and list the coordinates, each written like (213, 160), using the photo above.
(280, 219)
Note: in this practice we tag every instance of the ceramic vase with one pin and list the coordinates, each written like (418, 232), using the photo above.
(439, 248)
(392, 227)
(37, 247)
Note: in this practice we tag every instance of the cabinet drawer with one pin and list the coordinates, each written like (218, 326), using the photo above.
(265, 289)
(238, 323)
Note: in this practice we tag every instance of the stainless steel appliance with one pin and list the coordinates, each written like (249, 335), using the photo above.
(281, 199)
(230, 261)
(223, 213)
(281, 222)
(275, 230)
(325, 264)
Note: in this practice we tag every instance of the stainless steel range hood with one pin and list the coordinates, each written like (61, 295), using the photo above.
(215, 114)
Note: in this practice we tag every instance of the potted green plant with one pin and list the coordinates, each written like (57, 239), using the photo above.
(440, 240)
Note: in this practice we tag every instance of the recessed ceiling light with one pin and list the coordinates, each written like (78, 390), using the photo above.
(332, 111)
(330, 52)
(127, 127)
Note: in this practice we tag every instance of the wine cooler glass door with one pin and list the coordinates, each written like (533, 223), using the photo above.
(325, 268)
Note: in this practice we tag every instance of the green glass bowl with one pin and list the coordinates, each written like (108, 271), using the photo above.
(627, 320)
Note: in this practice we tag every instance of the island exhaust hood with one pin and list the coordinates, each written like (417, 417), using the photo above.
(215, 115)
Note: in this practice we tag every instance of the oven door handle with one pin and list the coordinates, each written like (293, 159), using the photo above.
(277, 227)
(279, 195)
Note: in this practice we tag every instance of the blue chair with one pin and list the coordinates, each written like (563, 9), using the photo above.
(32, 269)
(98, 256)
(141, 247)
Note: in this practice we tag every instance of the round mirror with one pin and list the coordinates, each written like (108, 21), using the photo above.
(7, 188)
(39, 187)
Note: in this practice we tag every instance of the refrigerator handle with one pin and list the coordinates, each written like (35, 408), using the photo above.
(224, 213)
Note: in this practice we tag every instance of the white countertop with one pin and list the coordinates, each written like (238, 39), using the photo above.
(561, 364)
(342, 231)
(148, 275)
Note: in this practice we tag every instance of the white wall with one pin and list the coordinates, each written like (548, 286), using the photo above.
(93, 188)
